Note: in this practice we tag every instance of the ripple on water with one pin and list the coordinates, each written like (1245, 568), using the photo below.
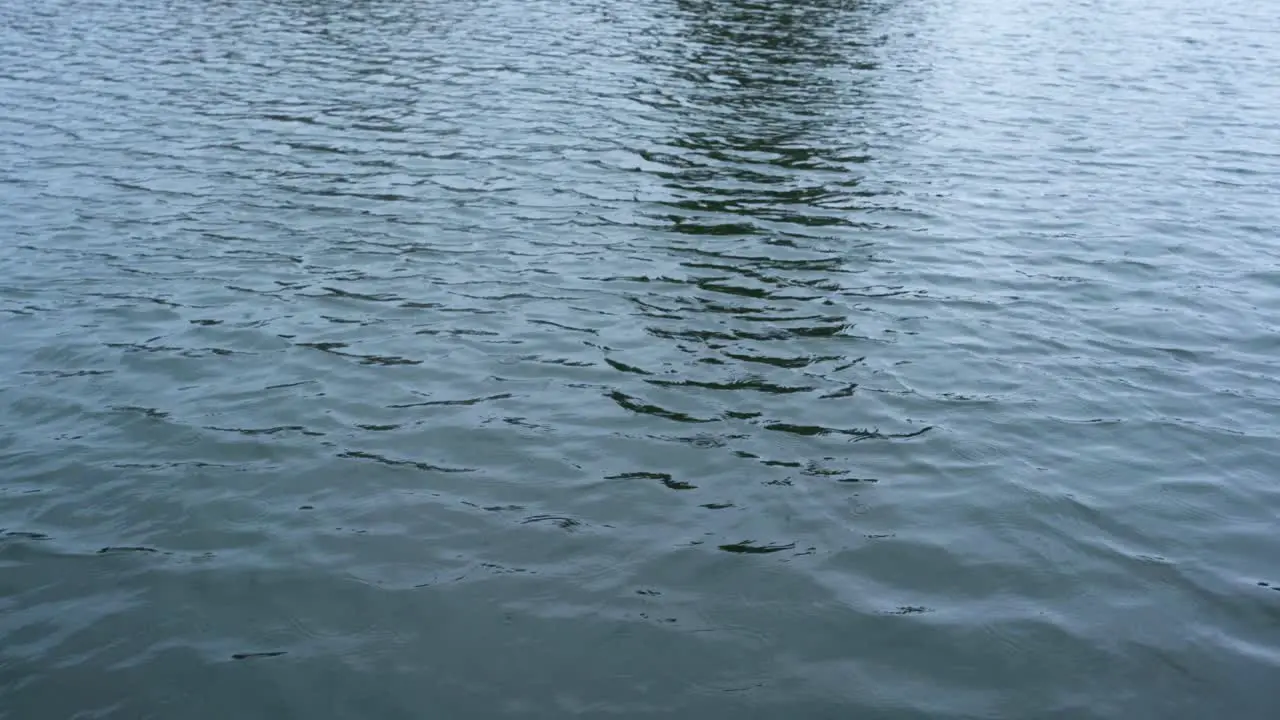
(895, 358)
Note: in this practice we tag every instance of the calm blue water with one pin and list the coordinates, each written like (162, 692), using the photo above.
(652, 359)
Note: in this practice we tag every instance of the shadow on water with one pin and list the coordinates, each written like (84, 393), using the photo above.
(772, 135)
(767, 220)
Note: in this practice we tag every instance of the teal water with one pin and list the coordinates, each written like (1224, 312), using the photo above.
(653, 359)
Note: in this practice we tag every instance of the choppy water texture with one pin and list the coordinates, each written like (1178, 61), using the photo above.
(653, 359)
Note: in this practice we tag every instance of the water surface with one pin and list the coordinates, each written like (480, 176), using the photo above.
(654, 359)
